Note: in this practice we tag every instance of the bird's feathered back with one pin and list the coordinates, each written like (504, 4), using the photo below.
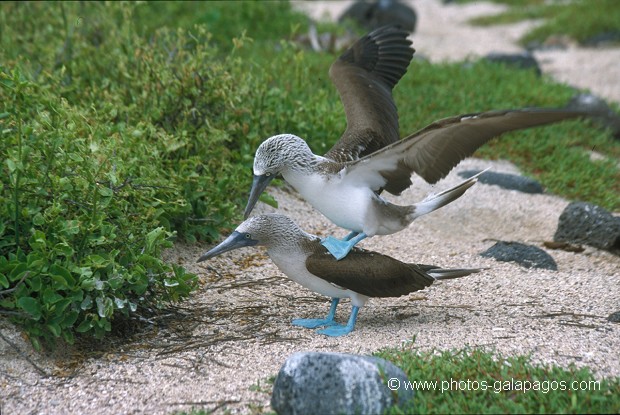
(368, 273)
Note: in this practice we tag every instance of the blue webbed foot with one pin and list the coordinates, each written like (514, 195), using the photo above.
(312, 323)
(340, 330)
(336, 330)
(339, 249)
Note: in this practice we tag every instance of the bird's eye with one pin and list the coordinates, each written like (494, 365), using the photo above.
(248, 236)
(267, 174)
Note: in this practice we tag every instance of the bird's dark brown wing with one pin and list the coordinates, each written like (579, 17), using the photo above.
(365, 75)
(368, 273)
(436, 149)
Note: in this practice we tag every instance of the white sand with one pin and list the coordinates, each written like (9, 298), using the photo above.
(557, 317)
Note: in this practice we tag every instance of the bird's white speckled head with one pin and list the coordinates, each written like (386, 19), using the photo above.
(271, 228)
(280, 152)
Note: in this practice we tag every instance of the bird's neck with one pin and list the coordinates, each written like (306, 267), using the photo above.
(302, 169)
(306, 161)
(290, 245)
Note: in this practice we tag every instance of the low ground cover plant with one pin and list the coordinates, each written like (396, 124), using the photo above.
(577, 19)
(484, 382)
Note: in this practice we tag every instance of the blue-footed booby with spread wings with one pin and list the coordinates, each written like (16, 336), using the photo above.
(345, 184)
(360, 275)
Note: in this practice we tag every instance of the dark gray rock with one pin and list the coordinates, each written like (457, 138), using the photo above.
(524, 60)
(528, 256)
(553, 42)
(586, 223)
(506, 181)
(601, 112)
(605, 38)
(374, 14)
(336, 383)
(614, 317)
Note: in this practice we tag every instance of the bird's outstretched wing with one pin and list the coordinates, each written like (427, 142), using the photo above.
(365, 75)
(436, 149)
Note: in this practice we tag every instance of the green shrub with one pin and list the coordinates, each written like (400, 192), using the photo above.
(114, 143)
(109, 148)
(72, 250)
(225, 20)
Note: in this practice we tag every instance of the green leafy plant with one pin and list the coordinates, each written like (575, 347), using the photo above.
(72, 254)
(113, 144)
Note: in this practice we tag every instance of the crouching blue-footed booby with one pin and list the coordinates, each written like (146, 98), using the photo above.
(345, 184)
(359, 276)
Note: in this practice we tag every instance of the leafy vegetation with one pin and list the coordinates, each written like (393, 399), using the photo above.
(118, 138)
(127, 126)
(113, 144)
(582, 20)
(475, 381)
(225, 21)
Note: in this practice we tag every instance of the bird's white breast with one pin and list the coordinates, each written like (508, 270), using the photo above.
(344, 204)
(294, 266)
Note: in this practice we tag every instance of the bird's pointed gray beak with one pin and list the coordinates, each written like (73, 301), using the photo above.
(259, 184)
(234, 241)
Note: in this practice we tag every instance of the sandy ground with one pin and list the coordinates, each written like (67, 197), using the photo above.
(235, 332)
